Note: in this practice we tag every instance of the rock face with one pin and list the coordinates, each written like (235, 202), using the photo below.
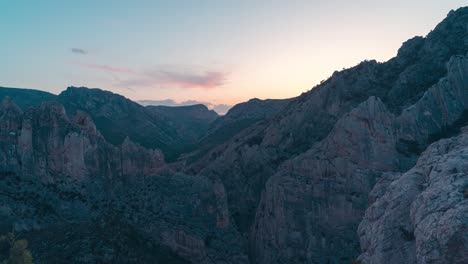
(117, 117)
(244, 114)
(324, 191)
(173, 130)
(197, 112)
(297, 185)
(44, 142)
(369, 166)
(79, 199)
(238, 118)
(192, 122)
(420, 216)
(311, 207)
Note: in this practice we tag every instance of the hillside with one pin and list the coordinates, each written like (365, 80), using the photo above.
(370, 166)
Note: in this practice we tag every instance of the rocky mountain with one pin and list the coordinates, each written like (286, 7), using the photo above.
(236, 119)
(367, 167)
(117, 117)
(420, 216)
(191, 121)
(192, 129)
(79, 199)
(173, 130)
(326, 188)
(220, 109)
(26, 98)
(244, 114)
(312, 166)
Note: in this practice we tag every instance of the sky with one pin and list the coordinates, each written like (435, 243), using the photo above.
(211, 51)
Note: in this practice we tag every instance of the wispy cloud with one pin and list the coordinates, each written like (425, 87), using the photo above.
(79, 51)
(164, 78)
(105, 68)
(206, 80)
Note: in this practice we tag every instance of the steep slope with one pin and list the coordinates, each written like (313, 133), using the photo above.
(79, 199)
(420, 216)
(192, 122)
(246, 163)
(241, 116)
(316, 200)
(324, 191)
(174, 130)
(425, 58)
(246, 113)
(44, 141)
(236, 119)
(117, 117)
(296, 179)
(171, 129)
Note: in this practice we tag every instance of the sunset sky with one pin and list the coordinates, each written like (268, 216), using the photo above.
(221, 52)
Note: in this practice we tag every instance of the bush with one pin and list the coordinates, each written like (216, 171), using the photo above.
(19, 252)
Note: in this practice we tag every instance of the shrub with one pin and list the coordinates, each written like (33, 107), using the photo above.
(19, 252)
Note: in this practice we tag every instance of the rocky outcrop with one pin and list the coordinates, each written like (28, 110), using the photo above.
(189, 112)
(45, 142)
(191, 122)
(117, 117)
(310, 209)
(238, 118)
(424, 59)
(270, 169)
(173, 130)
(79, 199)
(341, 173)
(420, 216)
(242, 115)
(324, 191)
(250, 158)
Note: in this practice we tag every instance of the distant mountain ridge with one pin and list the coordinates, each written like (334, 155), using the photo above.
(192, 121)
(26, 98)
(370, 166)
(238, 118)
(118, 117)
(76, 198)
(221, 109)
(174, 130)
